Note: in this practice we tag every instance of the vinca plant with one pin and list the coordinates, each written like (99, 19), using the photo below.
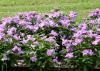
(50, 40)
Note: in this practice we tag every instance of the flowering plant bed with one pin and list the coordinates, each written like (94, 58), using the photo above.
(49, 40)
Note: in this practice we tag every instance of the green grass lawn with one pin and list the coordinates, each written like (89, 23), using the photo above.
(11, 7)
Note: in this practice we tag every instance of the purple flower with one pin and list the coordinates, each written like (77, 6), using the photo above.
(92, 21)
(35, 43)
(55, 14)
(43, 23)
(98, 29)
(72, 15)
(65, 22)
(77, 41)
(30, 27)
(22, 23)
(35, 28)
(52, 23)
(87, 52)
(33, 59)
(79, 33)
(70, 49)
(24, 41)
(29, 37)
(55, 59)
(97, 37)
(17, 37)
(53, 33)
(7, 21)
(95, 42)
(17, 49)
(1, 28)
(1, 36)
(84, 26)
(69, 55)
(50, 52)
(30, 15)
(50, 39)
(66, 42)
(98, 20)
(95, 13)
(11, 31)
(90, 33)
(16, 19)
(73, 29)
(38, 17)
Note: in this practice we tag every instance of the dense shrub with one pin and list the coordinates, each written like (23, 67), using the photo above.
(33, 39)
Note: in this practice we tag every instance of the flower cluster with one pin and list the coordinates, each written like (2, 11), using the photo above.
(50, 38)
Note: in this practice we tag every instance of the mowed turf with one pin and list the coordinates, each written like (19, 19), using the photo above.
(82, 7)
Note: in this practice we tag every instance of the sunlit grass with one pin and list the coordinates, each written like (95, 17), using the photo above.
(11, 7)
